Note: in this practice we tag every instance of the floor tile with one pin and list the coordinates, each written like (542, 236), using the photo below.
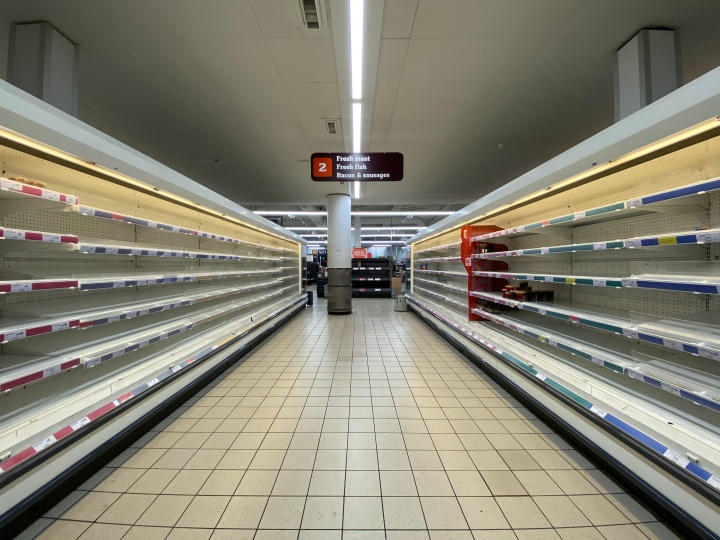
(397, 484)
(362, 484)
(363, 513)
(403, 513)
(283, 513)
(323, 513)
(522, 513)
(561, 512)
(165, 511)
(443, 513)
(483, 513)
(91, 506)
(292, 483)
(127, 509)
(204, 512)
(243, 513)
(327, 483)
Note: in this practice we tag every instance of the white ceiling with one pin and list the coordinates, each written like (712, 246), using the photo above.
(239, 81)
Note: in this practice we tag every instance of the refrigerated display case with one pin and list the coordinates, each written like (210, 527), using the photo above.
(116, 292)
(596, 295)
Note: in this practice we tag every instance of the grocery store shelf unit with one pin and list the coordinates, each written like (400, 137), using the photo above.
(371, 278)
(114, 291)
(603, 306)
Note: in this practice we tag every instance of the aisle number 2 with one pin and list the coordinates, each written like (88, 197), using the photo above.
(322, 166)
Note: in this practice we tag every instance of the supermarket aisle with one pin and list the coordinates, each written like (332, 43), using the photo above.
(360, 427)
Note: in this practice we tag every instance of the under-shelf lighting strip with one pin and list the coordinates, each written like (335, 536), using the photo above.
(545, 380)
(439, 259)
(171, 371)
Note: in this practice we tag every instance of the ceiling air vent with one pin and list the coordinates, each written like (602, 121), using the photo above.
(332, 125)
(312, 13)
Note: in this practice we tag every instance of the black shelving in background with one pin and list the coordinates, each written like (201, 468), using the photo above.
(372, 278)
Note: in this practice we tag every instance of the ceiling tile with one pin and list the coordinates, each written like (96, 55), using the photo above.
(304, 59)
(483, 19)
(390, 68)
(398, 18)
(168, 19)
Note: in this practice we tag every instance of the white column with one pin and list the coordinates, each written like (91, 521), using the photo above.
(339, 249)
(44, 63)
(647, 68)
(357, 233)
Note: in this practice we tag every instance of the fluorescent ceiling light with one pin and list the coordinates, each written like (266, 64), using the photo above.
(357, 189)
(358, 213)
(374, 242)
(380, 245)
(357, 15)
(357, 127)
(411, 228)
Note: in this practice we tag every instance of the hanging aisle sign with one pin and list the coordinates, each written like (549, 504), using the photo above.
(369, 167)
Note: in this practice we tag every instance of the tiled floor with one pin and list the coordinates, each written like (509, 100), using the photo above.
(358, 427)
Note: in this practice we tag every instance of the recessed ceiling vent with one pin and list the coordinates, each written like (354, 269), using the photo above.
(332, 125)
(312, 13)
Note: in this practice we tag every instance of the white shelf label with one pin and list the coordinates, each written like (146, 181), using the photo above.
(21, 287)
(57, 327)
(80, 423)
(118, 284)
(153, 382)
(635, 374)
(14, 334)
(545, 250)
(42, 445)
(708, 237)
(542, 311)
(677, 458)
(600, 245)
(144, 343)
(10, 234)
(92, 362)
(111, 250)
(113, 318)
(629, 282)
(632, 334)
(548, 279)
(51, 195)
(714, 481)
(673, 344)
(552, 342)
(709, 353)
(52, 370)
(580, 215)
(175, 369)
(50, 237)
(152, 252)
(633, 203)
(670, 388)
(118, 352)
(597, 360)
(633, 243)
(143, 312)
(597, 410)
(541, 376)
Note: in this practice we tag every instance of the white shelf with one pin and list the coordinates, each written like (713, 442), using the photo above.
(129, 279)
(82, 313)
(452, 288)
(696, 386)
(39, 419)
(439, 259)
(40, 359)
(132, 220)
(439, 248)
(620, 210)
(443, 273)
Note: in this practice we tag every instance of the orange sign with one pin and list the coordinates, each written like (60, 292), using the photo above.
(359, 253)
(322, 167)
